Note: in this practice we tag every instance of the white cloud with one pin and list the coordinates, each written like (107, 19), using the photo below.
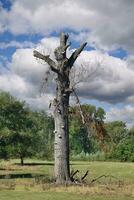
(125, 114)
(41, 102)
(108, 24)
(26, 66)
(104, 24)
(26, 75)
(112, 79)
(14, 84)
(13, 43)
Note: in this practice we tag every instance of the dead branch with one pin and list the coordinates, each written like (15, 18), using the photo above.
(84, 176)
(99, 177)
(78, 180)
(80, 109)
(63, 38)
(68, 45)
(83, 76)
(75, 54)
(73, 173)
(48, 60)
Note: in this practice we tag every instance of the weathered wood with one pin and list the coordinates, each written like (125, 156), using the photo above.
(73, 173)
(84, 176)
(61, 103)
(75, 54)
(62, 168)
(48, 60)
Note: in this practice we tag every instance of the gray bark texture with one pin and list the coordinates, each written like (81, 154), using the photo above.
(62, 68)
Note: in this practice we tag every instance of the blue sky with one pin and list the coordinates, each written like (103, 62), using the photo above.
(106, 26)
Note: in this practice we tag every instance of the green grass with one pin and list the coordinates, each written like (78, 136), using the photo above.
(123, 171)
(117, 186)
(13, 195)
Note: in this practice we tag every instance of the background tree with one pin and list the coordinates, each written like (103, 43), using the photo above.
(89, 133)
(46, 135)
(121, 143)
(18, 127)
(116, 130)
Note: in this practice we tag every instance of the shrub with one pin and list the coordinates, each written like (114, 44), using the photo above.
(98, 156)
(124, 151)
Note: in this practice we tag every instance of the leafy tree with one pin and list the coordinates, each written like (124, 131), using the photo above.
(20, 125)
(116, 130)
(4, 143)
(124, 151)
(46, 135)
(84, 137)
(79, 140)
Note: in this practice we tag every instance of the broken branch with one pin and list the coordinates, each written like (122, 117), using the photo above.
(63, 39)
(99, 177)
(80, 109)
(75, 54)
(73, 173)
(48, 60)
(84, 176)
(68, 45)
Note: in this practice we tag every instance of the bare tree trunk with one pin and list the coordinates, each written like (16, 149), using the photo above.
(62, 170)
(61, 146)
(61, 103)
(21, 160)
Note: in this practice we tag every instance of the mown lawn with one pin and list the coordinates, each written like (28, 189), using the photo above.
(13, 195)
(118, 183)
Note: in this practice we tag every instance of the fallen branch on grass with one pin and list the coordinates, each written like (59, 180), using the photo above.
(78, 180)
(99, 177)
(84, 176)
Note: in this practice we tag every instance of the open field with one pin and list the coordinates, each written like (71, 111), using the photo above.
(27, 183)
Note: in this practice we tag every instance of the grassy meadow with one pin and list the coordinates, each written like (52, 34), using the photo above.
(33, 181)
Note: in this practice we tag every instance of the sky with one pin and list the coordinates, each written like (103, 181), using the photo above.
(104, 72)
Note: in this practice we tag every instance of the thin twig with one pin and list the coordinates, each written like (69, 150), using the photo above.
(80, 108)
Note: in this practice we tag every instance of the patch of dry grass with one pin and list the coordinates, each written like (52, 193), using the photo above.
(119, 183)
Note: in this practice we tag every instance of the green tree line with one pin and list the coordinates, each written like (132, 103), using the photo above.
(25, 133)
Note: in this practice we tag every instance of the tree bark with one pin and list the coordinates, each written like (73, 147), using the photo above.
(61, 104)
(61, 145)
(21, 160)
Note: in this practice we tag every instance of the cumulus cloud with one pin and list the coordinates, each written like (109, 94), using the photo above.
(101, 77)
(108, 24)
(112, 80)
(125, 114)
(16, 44)
(14, 84)
(26, 75)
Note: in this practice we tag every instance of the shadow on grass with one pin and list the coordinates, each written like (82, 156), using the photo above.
(24, 175)
(71, 164)
(35, 164)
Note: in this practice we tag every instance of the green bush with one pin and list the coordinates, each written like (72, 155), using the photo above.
(98, 156)
(124, 151)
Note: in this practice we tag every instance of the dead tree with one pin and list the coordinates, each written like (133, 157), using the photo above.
(62, 67)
